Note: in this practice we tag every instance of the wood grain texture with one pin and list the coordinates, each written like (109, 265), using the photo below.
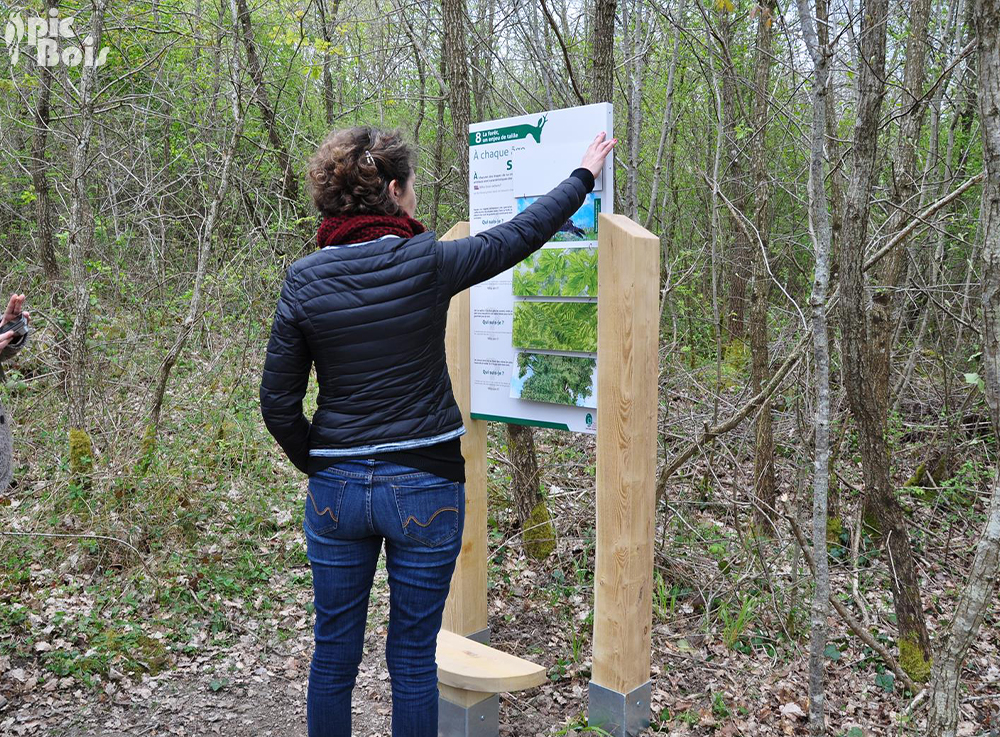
(465, 610)
(628, 309)
(461, 696)
(468, 665)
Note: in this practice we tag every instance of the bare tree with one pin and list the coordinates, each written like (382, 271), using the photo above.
(538, 534)
(765, 487)
(603, 54)
(206, 233)
(39, 166)
(328, 27)
(861, 321)
(81, 236)
(978, 594)
(821, 234)
(456, 64)
(289, 181)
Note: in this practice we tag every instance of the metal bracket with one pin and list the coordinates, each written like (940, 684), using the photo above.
(623, 715)
(482, 636)
(478, 720)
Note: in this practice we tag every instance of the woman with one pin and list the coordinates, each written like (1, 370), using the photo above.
(10, 343)
(382, 452)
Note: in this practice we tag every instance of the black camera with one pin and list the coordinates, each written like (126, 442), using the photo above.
(18, 326)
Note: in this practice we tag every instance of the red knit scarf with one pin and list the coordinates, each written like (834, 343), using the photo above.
(341, 229)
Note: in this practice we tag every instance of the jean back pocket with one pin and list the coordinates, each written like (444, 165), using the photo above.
(323, 499)
(429, 510)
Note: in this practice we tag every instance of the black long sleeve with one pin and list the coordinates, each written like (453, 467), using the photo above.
(285, 378)
(475, 259)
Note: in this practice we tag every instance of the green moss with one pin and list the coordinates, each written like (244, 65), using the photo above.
(918, 476)
(834, 528)
(150, 655)
(736, 355)
(912, 660)
(147, 449)
(81, 453)
(735, 360)
(538, 534)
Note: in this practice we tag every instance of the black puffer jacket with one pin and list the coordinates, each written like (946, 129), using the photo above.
(371, 316)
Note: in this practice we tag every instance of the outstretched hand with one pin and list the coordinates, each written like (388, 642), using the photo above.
(599, 149)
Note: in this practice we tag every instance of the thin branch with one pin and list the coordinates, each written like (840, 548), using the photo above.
(565, 51)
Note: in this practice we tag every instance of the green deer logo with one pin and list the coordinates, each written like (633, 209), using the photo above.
(535, 131)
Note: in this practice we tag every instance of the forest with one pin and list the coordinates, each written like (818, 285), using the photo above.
(823, 177)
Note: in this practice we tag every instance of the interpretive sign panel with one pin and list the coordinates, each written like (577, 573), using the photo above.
(534, 328)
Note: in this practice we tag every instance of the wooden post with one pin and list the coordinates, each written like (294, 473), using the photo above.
(627, 368)
(465, 610)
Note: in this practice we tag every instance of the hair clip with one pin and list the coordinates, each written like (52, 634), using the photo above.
(369, 155)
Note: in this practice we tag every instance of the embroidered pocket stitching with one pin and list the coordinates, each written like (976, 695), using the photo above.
(411, 518)
(325, 510)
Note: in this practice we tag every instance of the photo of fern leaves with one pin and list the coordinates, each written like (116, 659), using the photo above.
(582, 224)
(568, 380)
(557, 272)
(556, 326)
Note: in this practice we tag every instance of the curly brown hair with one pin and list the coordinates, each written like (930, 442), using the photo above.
(345, 180)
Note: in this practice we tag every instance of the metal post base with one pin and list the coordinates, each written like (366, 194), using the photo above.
(623, 715)
(482, 636)
(478, 720)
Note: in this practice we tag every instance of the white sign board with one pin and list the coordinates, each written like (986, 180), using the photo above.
(534, 327)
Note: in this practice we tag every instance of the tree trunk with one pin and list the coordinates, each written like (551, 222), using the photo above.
(289, 184)
(439, 173)
(861, 323)
(638, 50)
(457, 75)
(603, 58)
(39, 165)
(661, 169)
(327, 24)
(739, 264)
(205, 235)
(765, 489)
(81, 236)
(538, 534)
(978, 594)
(821, 231)
(906, 177)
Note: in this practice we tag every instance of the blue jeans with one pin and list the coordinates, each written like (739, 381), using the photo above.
(349, 509)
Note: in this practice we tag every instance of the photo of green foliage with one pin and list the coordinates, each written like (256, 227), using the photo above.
(568, 380)
(557, 272)
(556, 326)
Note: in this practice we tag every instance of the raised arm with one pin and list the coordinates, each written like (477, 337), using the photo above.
(477, 258)
(286, 376)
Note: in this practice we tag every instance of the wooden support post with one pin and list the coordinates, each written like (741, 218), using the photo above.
(627, 368)
(465, 610)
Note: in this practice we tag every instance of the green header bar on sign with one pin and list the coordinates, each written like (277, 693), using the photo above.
(520, 421)
(508, 133)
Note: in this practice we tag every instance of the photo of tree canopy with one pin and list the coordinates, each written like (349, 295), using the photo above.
(543, 377)
(556, 326)
(581, 225)
(557, 272)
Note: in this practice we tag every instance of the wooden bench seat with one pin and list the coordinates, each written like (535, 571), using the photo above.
(470, 677)
(470, 666)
